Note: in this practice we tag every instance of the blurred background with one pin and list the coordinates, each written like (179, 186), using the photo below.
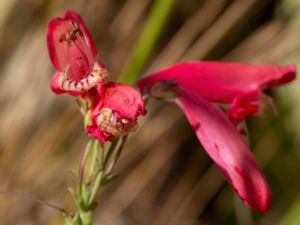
(165, 176)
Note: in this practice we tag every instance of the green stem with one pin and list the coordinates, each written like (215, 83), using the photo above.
(102, 172)
(120, 148)
(76, 220)
(95, 150)
(147, 40)
(117, 155)
(86, 217)
(109, 153)
(96, 186)
(82, 164)
(98, 174)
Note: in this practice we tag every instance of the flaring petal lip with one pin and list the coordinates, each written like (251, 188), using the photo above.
(55, 86)
(222, 82)
(227, 149)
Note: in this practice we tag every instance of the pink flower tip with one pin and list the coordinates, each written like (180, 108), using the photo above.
(285, 75)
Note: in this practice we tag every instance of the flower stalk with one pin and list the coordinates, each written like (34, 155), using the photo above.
(101, 161)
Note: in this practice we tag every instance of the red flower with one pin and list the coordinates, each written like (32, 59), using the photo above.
(73, 53)
(116, 113)
(241, 85)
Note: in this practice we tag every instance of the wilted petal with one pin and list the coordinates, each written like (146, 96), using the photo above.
(124, 100)
(116, 112)
(225, 146)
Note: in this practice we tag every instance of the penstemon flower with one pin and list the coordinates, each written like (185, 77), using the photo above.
(73, 53)
(240, 85)
(111, 110)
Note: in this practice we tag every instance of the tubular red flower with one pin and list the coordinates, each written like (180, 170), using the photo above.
(240, 85)
(116, 113)
(73, 53)
(224, 145)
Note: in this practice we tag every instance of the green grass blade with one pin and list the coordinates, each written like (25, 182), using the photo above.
(292, 216)
(148, 38)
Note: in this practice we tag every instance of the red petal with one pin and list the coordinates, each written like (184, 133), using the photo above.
(59, 26)
(72, 52)
(52, 25)
(124, 100)
(222, 82)
(72, 15)
(239, 84)
(225, 146)
(55, 86)
(243, 106)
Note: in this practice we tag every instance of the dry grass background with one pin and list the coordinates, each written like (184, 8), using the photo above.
(165, 177)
